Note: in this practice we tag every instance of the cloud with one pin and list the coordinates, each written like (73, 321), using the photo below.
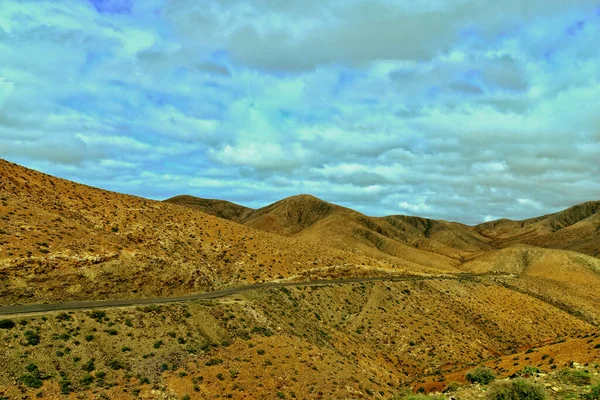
(457, 110)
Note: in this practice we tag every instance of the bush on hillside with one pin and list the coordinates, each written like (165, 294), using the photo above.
(518, 389)
(482, 375)
(574, 377)
(7, 324)
(594, 393)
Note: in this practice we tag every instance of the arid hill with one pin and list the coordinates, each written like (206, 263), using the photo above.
(396, 239)
(62, 240)
(534, 307)
(576, 228)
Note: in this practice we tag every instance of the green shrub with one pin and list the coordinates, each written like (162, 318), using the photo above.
(451, 387)
(31, 380)
(97, 315)
(528, 371)
(594, 393)
(65, 386)
(89, 366)
(214, 361)
(32, 338)
(63, 317)
(574, 377)
(87, 380)
(7, 324)
(482, 375)
(115, 364)
(518, 389)
(158, 344)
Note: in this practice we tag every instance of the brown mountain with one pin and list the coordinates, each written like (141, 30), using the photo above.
(576, 228)
(61, 241)
(397, 239)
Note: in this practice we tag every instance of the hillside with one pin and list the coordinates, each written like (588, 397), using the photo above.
(576, 228)
(61, 240)
(396, 239)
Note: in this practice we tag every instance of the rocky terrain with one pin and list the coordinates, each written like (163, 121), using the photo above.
(532, 303)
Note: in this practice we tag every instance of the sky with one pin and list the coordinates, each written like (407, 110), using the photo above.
(449, 109)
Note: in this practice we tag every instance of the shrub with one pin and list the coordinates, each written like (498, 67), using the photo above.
(7, 324)
(482, 375)
(518, 389)
(31, 338)
(31, 380)
(214, 361)
(158, 344)
(89, 366)
(528, 371)
(89, 338)
(114, 364)
(451, 387)
(63, 317)
(594, 393)
(65, 386)
(87, 380)
(574, 377)
(97, 315)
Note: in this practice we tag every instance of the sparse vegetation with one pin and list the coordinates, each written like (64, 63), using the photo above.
(575, 377)
(518, 389)
(482, 375)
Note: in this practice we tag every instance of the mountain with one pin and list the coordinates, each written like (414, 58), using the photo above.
(62, 240)
(397, 239)
(576, 228)
(59, 241)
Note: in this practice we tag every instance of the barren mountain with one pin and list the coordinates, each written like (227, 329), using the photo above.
(62, 241)
(397, 239)
(576, 228)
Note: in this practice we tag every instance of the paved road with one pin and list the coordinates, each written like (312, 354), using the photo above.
(75, 305)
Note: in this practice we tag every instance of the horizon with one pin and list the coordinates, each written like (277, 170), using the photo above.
(263, 205)
(446, 110)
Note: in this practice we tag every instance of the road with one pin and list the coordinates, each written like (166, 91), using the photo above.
(77, 305)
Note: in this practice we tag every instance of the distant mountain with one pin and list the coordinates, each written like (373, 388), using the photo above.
(576, 228)
(305, 216)
(397, 239)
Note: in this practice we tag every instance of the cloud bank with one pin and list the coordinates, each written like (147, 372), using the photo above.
(450, 109)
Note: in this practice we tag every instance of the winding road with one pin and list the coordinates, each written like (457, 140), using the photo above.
(77, 305)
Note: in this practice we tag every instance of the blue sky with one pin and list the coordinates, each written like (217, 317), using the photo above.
(459, 110)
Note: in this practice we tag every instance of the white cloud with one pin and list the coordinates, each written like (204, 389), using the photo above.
(493, 112)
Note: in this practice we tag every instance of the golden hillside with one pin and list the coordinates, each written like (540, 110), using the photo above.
(396, 239)
(63, 240)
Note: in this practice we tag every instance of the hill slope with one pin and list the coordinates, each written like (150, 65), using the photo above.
(396, 239)
(576, 228)
(61, 240)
